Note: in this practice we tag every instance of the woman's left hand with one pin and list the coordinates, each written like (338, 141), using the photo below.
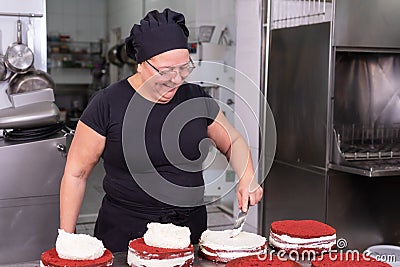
(248, 194)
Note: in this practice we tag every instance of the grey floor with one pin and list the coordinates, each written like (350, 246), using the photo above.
(219, 216)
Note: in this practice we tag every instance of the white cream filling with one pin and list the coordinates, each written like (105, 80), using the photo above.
(42, 265)
(134, 260)
(221, 240)
(285, 241)
(167, 236)
(78, 246)
(229, 255)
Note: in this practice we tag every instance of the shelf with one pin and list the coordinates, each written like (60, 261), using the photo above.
(74, 47)
(73, 54)
(71, 75)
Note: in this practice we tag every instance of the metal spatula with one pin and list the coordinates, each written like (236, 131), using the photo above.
(241, 219)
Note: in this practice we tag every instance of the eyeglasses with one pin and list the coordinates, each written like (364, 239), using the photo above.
(171, 72)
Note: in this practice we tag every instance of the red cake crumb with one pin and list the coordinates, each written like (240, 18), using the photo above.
(261, 260)
(50, 258)
(149, 252)
(347, 260)
(302, 228)
(140, 250)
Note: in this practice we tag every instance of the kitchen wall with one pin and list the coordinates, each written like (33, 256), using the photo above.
(124, 13)
(83, 20)
(248, 97)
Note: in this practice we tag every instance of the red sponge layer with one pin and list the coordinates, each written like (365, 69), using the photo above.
(139, 247)
(50, 258)
(302, 228)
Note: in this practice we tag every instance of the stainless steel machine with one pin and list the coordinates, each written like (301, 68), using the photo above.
(334, 90)
(32, 147)
(30, 175)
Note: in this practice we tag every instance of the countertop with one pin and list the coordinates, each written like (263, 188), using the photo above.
(120, 261)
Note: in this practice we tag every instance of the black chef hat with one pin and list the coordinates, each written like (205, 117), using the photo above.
(157, 33)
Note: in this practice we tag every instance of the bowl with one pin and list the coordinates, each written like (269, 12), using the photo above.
(387, 253)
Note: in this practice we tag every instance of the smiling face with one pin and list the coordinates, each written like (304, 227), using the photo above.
(162, 88)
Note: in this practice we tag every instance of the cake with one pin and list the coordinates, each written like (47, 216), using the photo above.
(218, 246)
(76, 250)
(347, 260)
(302, 235)
(50, 258)
(261, 260)
(162, 245)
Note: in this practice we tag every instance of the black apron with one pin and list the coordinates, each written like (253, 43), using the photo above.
(119, 222)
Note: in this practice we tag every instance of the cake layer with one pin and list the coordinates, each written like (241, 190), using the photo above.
(220, 247)
(135, 261)
(347, 260)
(302, 229)
(50, 258)
(261, 260)
(302, 236)
(140, 254)
(287, 243)
(226, 256)
(221, 240)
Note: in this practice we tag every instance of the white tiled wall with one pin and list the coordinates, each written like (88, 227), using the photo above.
(248, 58)
(83, 20)
(123, 14)
(187, 7)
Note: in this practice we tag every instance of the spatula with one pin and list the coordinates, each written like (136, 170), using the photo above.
(241, 219)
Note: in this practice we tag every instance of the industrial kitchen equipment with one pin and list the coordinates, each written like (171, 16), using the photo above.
(30, 178)
(333, 87)
(32, 149)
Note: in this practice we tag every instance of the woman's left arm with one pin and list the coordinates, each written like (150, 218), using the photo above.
(232, 144)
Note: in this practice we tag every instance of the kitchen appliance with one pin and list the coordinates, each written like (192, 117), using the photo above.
(366, 120)
(29, 196)
(27, 116)
(30, 170)
(332, 84)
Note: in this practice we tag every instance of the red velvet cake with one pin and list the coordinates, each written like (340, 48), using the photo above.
(50, 258)
(302, 235)
(140, 254)
(347, 260)
(261, 260)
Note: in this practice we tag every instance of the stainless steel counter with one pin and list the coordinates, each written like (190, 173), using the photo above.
(120, 261)
(29, 196)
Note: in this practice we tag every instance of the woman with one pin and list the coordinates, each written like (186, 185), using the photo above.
(124, 125)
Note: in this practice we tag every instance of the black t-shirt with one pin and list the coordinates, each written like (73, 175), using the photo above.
(152, 125)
